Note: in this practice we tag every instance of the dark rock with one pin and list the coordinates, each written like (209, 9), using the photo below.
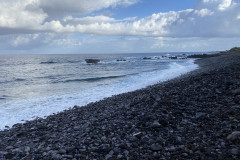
(163, 122)
(156, 124)
(92, 61)
(235, 151)
(147, 58)
(121, 60)
(233, 136)
(173, 57)
(200, 115)
(236, 91)
(156, 147)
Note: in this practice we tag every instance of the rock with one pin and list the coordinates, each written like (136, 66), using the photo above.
(147, 58)
(173, 57)
(68, 156)
(171, 149)
(120, 156)
(94, 61)
(27, 149)
(108, 156)
(233, 136)
(138, 135)
(235, 151)
(236, 91)
(56, 156)
(156, 124)
(17, 150)
(9, 147)
(121, 60)
(178, 139)
(156, 147)
(62, 151)
(104, 148)
(200, 115)
(163, 122)
(70, 149)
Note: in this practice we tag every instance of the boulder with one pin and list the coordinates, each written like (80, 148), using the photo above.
(95, 61)
(121, 60)
(173, 57)
(147, 58)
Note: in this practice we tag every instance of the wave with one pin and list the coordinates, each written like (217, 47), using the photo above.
(14, 80)
(75, 61)
(48, 62)
(20, 79)
(92, 79)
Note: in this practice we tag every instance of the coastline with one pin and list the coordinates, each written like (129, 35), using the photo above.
(194, 116)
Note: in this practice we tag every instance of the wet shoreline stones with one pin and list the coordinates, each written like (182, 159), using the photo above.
(195, 116)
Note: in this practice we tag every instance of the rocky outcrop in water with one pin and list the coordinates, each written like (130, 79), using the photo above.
(121, 60)
(94, 61)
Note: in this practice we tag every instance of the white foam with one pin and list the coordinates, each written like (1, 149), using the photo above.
(28, 109)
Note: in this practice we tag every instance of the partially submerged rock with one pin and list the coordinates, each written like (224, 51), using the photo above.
(121, 60)
(147, 58)
(95, 61)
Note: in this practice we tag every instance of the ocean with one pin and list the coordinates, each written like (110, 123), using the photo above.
(34, 86)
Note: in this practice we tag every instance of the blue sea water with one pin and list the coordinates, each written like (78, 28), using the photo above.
(34, 86)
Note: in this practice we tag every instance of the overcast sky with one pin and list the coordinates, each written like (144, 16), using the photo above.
(118, 26)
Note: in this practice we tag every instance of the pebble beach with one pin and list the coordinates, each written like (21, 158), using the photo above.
(194, 116)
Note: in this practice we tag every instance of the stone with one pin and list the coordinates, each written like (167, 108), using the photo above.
(17, 150)
(27, 149)
(235, 151)
(56, 156)
(171, 149)
(163, 122)
(178, 139)
(236, 91)
(156, 124)
(108, 156)
(120, 156)
(9, 147)
(138, 135)
(200, 115)
(156, 147)
(233, 136)
(62, 151)
(68, 156)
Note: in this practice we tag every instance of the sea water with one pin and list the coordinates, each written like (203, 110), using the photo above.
(34, 86)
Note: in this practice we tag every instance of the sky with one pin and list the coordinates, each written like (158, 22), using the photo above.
(118, 26)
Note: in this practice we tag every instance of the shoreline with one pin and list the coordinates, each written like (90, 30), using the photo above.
(194, 116)
(43, 106)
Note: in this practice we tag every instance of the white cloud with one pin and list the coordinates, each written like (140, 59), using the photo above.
(203, 12)
(21, 14)
(63, 7)
(210, 18)
(88, 20)
(20, 40)
(225, 4)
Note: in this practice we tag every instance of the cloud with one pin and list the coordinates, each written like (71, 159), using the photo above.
(21, 14)
(209, 18)
(203, 12)
(63, 7)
